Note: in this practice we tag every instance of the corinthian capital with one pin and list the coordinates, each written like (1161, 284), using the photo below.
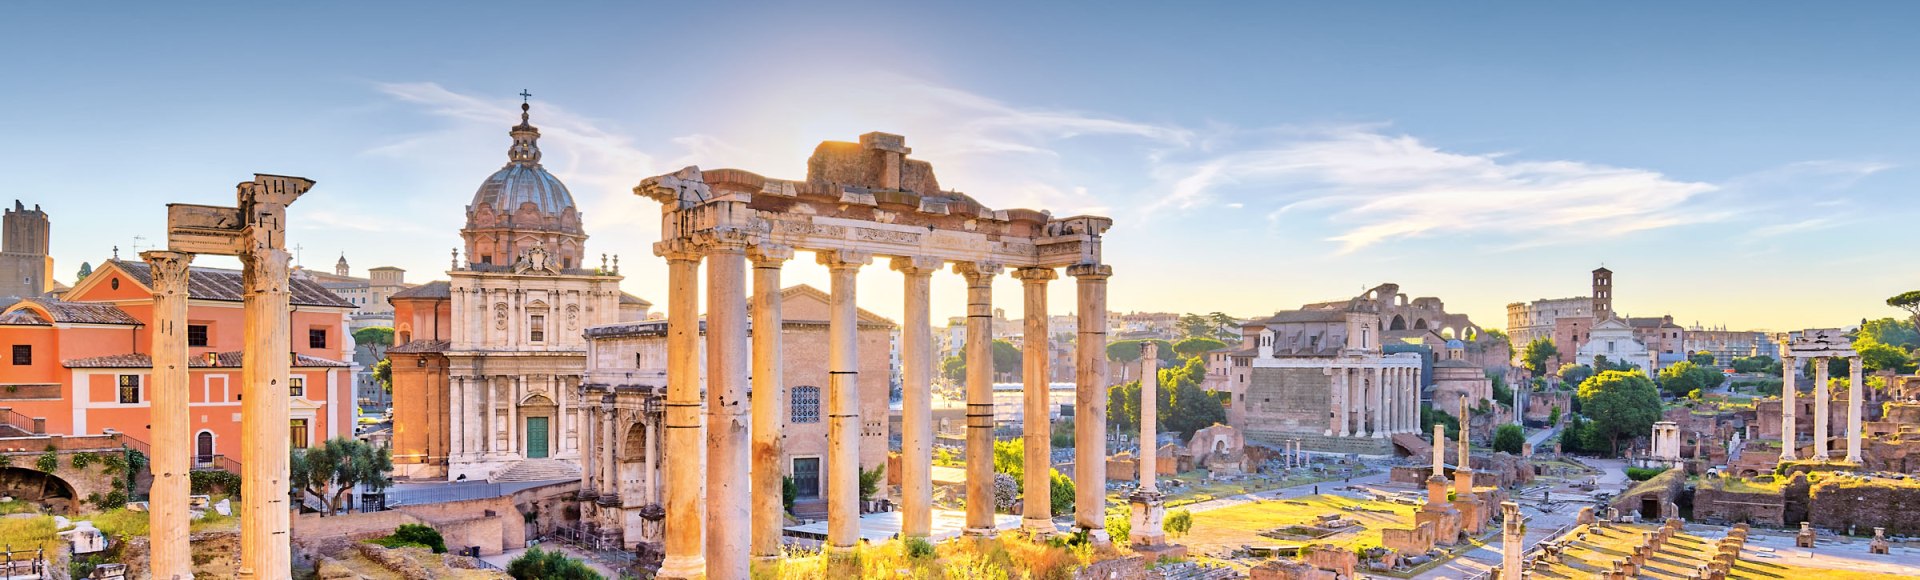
(917, 265)
(977, 273)
(169, 269)
(1036, 275)
(843, 259)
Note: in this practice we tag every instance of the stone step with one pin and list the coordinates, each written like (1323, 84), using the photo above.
(536, 470)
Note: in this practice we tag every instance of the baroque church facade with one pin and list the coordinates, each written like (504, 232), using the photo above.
(487, 365)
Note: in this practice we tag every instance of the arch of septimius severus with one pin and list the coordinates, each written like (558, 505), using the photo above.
(859, 201)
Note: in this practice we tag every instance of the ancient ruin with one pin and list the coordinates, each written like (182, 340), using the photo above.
(1817, 345)
(859, 201)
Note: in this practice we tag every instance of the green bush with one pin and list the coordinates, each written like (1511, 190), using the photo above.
(47, 462)
(413, 535)
(1119, 528)
(1644, 473)
(1178, 522)
(1508, 438)
(1060, 492)
(870, 481)
(82, 460)
(918, 548)
(538, 564)
(788, 492)
(206, 482)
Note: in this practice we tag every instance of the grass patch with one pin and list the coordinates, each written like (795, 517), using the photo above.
(1231, 527)
(30, 533)
(1006, 557)
(121, 523)
(18, 507)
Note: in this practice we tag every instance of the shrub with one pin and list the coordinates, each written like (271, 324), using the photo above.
(1178, 522)
(788, 492)
(1060, 492)
(47, 462)
(205, 482)
(1508, 438)
(870, 481)
(413, 535)
(1062, 434)
(1119, 528)
(82, 460)
(918, 547)
(1644, 473)
(538, 564)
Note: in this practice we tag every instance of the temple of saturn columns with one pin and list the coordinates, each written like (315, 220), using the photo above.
(255, 232)
(1817, 345)
(859, 201)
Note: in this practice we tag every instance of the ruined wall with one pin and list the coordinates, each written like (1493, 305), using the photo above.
(1712, 502)
(1852, 504)
(1282, 402)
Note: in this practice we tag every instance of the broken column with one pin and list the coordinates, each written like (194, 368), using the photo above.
(1879, 544)
(1805, 538)
(172, 432)
(1513, 541)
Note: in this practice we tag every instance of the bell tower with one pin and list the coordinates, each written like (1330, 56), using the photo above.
(26, 268)
(1602, 293)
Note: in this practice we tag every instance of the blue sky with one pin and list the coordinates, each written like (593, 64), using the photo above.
(1747, 164)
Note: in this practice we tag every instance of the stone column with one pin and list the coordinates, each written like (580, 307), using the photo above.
(1333, 401)
(1412, 424)
(172, 433)
(1148, 511)
(1343, 381)
(916, 398)
(651, 426)
(265, 551)
(1463, 466)
(1820, 412)
(516, 386)
(685, 525)
(843, 400)
(979, 357)
(1856, 396)
(1090, 407)
(1437, 493)
(1379, 401)
(610, 438)
(769, 395)
(1037, 503)
(589, 462)
(1513, 542)
(729, 424)
(1389, 402)
(1789, 404)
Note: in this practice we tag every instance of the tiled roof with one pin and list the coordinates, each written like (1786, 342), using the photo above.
(626, 298)
(23, 317)
(421, 346)
(211, 360)
(1306, 316)
(78, 312)
(225, 285)
(434, 289)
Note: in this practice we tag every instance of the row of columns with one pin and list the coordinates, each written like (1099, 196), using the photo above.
(741, 516)
(1790, 407)
(1374, 401)
(601, 439)
(476, 406)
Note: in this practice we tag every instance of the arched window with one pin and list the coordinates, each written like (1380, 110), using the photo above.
(806, 405)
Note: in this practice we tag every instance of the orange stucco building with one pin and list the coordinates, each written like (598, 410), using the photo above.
(80, 364)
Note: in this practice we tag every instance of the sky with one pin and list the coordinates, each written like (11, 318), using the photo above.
(1740, 164)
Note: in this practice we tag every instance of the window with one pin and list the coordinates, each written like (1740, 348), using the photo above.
(196, 335)
(317, 337)
(806, 405)
(22, 354)
(129, 389)
(297, 386)
(537, 327)
(806, 476)
(297, 429)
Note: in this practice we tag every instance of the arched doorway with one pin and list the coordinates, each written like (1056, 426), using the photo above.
(53, 494)
(203, 448)
(633, 464)
(1399, 323)
(538, 430)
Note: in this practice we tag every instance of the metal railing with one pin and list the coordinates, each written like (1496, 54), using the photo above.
(24, 423)
(220, 462)
(397, 497)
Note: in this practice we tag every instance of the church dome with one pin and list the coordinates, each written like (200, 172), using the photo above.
(503, 197)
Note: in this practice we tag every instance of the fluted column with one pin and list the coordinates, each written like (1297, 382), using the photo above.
(843, 400)
(1821, 415)
(1411, 422)
(769, 395)
(979, 357)
(1333, 401)
(1090, 406)
(589, 449)
(729, 424)
(1857, 388)
(1343, 395)
(611, 438)
(685, 525)
(1379, 400)
(1037, 504)
(1789, 404)
(516, 385)
(916, 398)
(172, 433)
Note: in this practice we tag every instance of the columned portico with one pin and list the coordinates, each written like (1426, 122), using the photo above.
(859, 201)
(1037, 496)
(843, 401)
(1820, 347)
(916, 397)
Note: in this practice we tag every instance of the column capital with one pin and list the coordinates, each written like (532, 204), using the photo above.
(677, 250)
(769, 255)
(843, 259)
(169, 268)
(977, 272)
(917, 265)
(1090, 271)
(726, 239)
(1035, 275)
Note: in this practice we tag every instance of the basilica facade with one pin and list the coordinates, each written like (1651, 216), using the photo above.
(487, 365)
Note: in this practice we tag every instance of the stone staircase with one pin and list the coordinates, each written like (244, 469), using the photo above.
(536, 470)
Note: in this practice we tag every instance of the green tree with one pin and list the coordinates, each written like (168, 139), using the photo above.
(538, 564)
(1010, 457)
(1502, 393)
(86, 269)
(1224, 326)
(1910, 302)
(1184, 407)
(1123, 351)
(1554, 417)
(333, 469)
(870, 481)
(1875, 356)
(1060, 491)
(1062, 433)
(1006, 358)
(1509, 438)
(1178, 522)
(383, 373)
(1429, 416)
(376, 339)
(954, 368)
(1495, 336)
(1574, 374)
(1620, 404)
(1193, 346)
(1754, 364)
(1702, 358)
(1192, 325)
(1685, 377)
(1888, 331)
(1537, 354)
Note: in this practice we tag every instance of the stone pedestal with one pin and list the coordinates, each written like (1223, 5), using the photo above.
(1148, 520)
(1879, 544)
(1806, 537)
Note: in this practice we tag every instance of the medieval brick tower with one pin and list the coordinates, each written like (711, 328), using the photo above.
(1602, 294)
(26, 269)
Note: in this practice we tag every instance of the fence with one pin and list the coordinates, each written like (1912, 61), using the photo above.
(220, 462)
(397, 497)
(25, 424)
